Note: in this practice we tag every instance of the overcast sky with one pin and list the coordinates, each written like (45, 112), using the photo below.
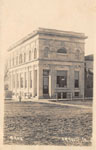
(20, 17)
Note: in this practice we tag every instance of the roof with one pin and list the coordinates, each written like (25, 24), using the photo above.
(52, 32)
(89, 57)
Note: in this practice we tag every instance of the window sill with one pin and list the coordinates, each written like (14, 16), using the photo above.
(77, 89)
(62, 54)
(61, 87)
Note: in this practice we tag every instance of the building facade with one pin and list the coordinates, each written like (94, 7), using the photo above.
(47, 64)
(89, 76)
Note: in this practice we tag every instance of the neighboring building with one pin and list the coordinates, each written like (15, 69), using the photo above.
(48, 64)
(6, 77)
(6, 82)
(89, 76)
(7, 93)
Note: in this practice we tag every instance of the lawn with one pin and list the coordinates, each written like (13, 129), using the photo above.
(33, 123)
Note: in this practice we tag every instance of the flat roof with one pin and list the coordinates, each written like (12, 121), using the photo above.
(51, 32)
(89, 57)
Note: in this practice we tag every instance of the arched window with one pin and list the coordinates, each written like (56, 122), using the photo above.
(30, 55)
(46, 51)
(62, 50)
(35, 53)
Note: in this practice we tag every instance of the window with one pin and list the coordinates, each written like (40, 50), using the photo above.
(21, 80)
(76, 94)
(76, 79)
(45, 81)
(17, 81)
(61, 78)
(30, 55)
(25, 81)
(35, 53)
(64, 95)
(59, 95)
(30, 79)
(62, 50)
(46, 51)
(20, 59)
(24, 57)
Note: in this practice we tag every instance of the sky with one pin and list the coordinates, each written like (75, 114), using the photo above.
(21, 17)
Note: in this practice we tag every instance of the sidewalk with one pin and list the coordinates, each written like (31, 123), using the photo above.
(57, 103)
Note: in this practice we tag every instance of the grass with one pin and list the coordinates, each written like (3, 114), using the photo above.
(33, 123)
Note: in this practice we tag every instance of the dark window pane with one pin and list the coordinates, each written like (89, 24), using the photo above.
(45, 81)
(61, 81)
(76, 83)
(76, 94)
(45, 85)
(61, 78)
(64, 95)
(62, 50)
(76, 76)
(59, 95)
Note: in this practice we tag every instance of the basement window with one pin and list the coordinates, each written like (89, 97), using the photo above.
(76, 94)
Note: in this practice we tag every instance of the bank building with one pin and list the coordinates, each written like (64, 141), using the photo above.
(49, 64)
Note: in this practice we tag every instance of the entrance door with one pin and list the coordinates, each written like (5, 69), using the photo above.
(46, 85)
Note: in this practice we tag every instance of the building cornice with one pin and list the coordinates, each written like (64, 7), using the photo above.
(44, 60)
(50, 32)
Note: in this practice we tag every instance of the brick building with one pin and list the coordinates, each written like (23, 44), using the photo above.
(47, 64)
